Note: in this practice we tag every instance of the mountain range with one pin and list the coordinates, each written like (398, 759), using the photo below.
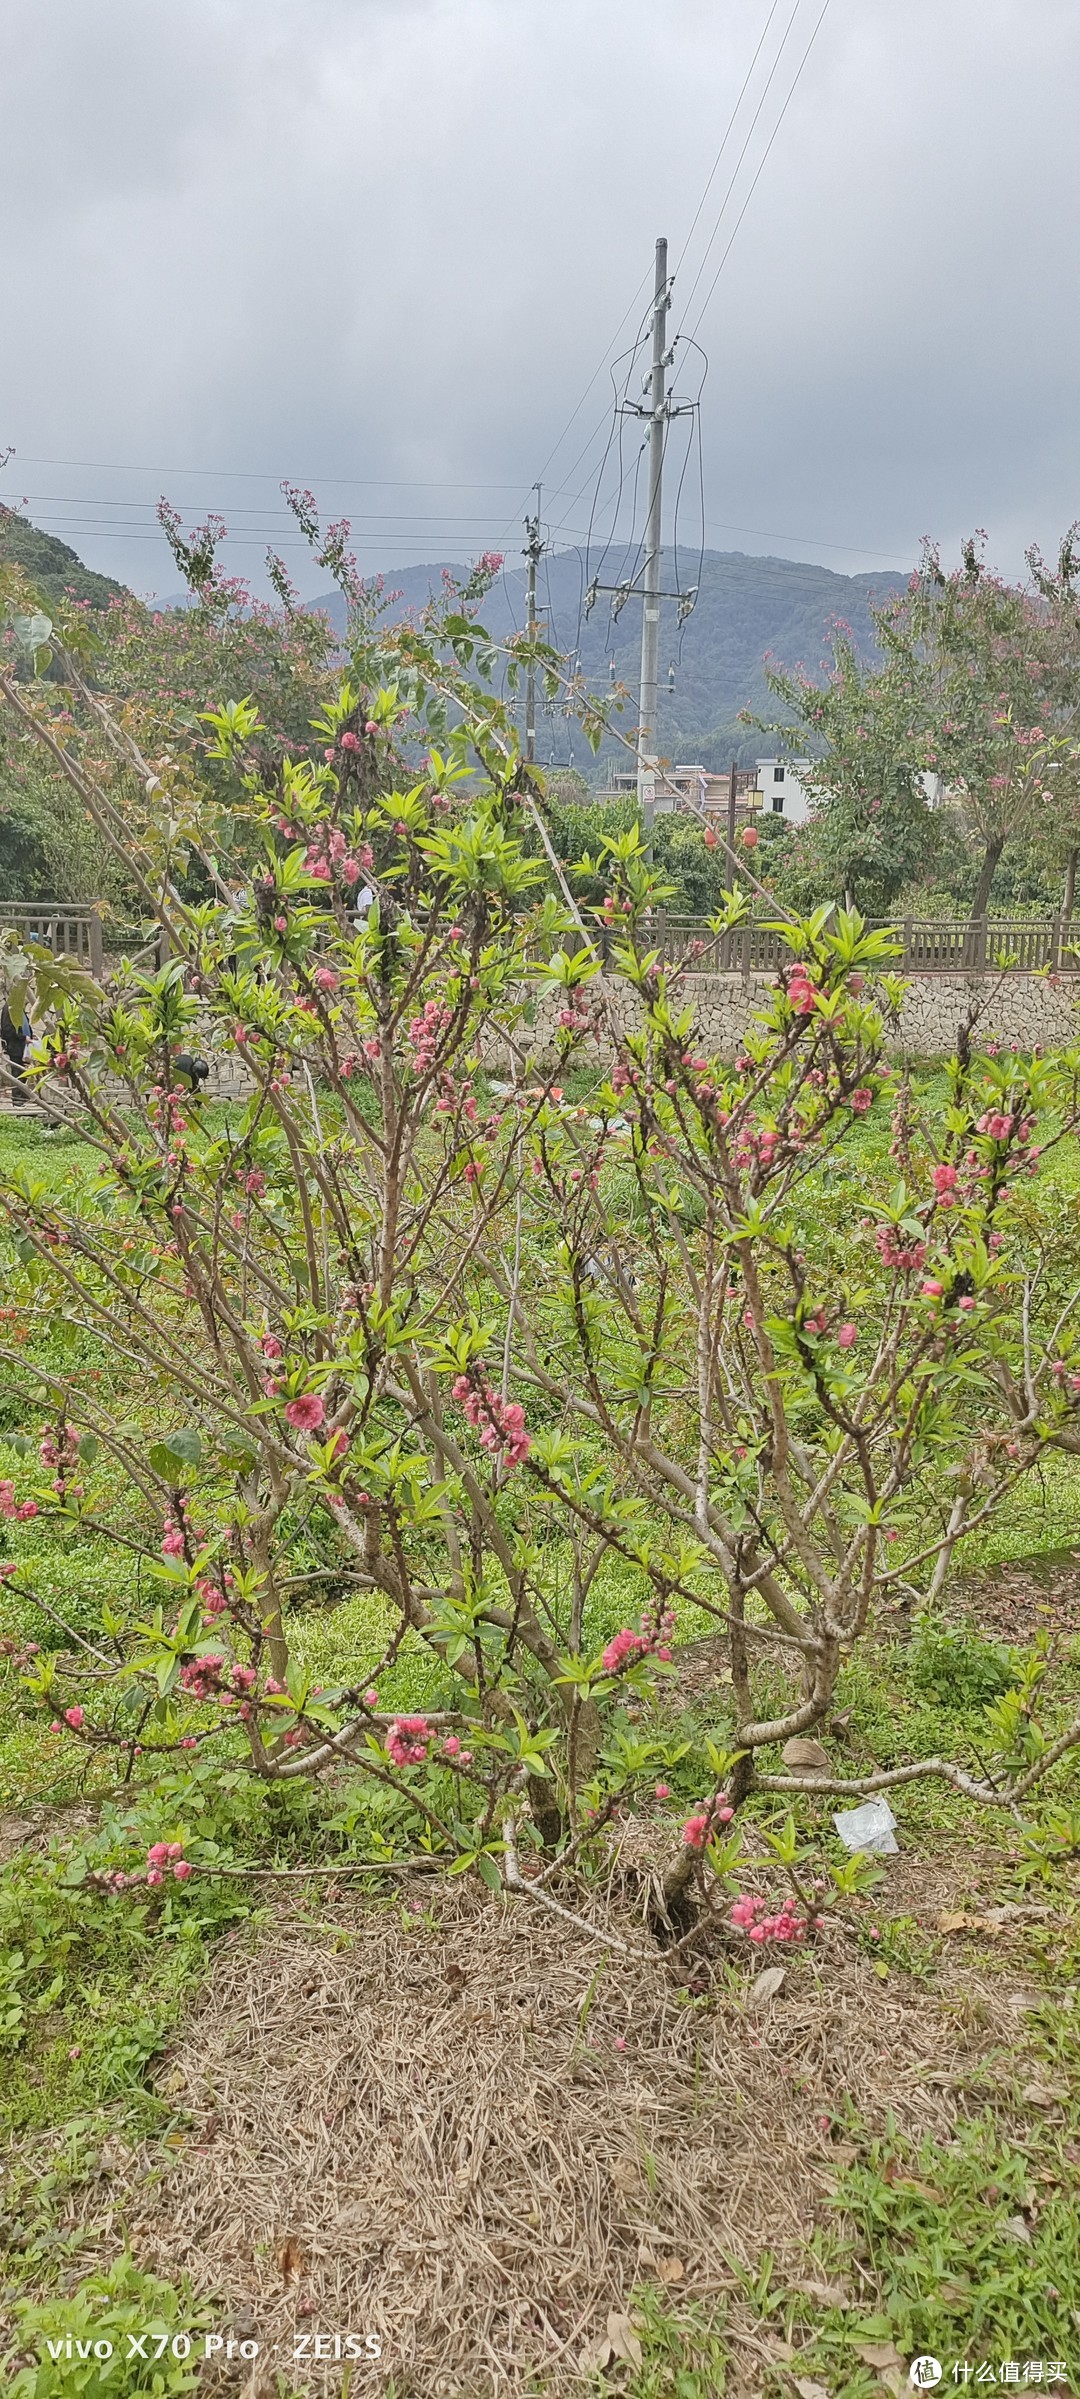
(747, 609)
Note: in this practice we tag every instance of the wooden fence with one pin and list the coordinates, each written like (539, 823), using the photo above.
(925, 945)
(68, 932)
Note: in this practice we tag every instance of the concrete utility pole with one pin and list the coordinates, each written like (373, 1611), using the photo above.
(656, 410)
(650, 618)
(534, 547)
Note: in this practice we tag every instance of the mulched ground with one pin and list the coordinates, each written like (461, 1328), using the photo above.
(456, 2123)
(1015, 1602)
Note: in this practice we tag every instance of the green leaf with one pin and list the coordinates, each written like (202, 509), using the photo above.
(186, 1445)
(32, 632)
(488, 1870)
(175, 1451)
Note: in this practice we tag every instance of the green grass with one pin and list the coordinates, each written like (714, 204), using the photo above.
(142, 2320)
(93, 1986)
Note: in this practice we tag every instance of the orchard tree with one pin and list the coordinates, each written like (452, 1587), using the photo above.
(1059, 649)
(987, 707)
(978, 685)
(414, 1323)
(872, 832)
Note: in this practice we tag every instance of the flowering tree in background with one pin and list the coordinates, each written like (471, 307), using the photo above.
(872, 832)
(478, 1344)
(978, 685)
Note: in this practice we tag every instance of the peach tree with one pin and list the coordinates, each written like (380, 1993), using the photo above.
(496, 1285)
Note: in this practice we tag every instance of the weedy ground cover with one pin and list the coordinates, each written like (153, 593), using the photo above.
(924, 2202)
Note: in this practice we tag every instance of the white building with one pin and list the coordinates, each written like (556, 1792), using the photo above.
(783, 792)
(693, 790)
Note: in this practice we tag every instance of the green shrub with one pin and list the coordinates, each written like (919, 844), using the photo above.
(124, 2314)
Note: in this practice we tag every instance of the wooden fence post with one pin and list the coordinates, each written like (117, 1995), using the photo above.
(96, 944)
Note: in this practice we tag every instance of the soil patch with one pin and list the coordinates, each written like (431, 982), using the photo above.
(1026, 1596)
(458, 2125)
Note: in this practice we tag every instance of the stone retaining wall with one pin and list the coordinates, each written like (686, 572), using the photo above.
(1024, 1009)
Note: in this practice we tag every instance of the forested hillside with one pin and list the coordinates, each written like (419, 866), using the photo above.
(51, 565)
(747, 607)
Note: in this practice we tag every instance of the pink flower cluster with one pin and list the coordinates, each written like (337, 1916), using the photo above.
(628, 1648)
(407, 1740)
(424, 1034)
(172, 1539)
(163, 1857)
(801, 992)
(211, 1677)
(11, 1508)
(329, 851)
(213, 1598)
(167, 1854)
(904, 1257)
(501, 1422)
(326, 851)
(861, 1101)
(201, 1677)
(945, 1179)
(59, 1457)
(305, 1414)
(697, 1828)
(788, 1923)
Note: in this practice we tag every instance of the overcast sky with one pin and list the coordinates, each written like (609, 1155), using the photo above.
(381, 246)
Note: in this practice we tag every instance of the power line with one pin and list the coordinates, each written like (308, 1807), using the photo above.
(576, 412)
(761, 168)
(727, 135)
(113, 466)
(253, 540)
(284, 516)
(574, 536)
(697, 213)
(734, 176)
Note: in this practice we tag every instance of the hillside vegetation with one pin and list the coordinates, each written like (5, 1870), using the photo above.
(748, 610)
(52, 566)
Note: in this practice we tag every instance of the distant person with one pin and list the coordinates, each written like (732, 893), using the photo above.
(15, 1040)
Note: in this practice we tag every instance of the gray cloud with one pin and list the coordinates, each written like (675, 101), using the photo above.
(389, 240)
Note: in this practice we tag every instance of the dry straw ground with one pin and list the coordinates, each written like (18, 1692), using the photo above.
(452, 2122)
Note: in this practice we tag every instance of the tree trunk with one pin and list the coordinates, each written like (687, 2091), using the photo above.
(975, 943)
(987, 872)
